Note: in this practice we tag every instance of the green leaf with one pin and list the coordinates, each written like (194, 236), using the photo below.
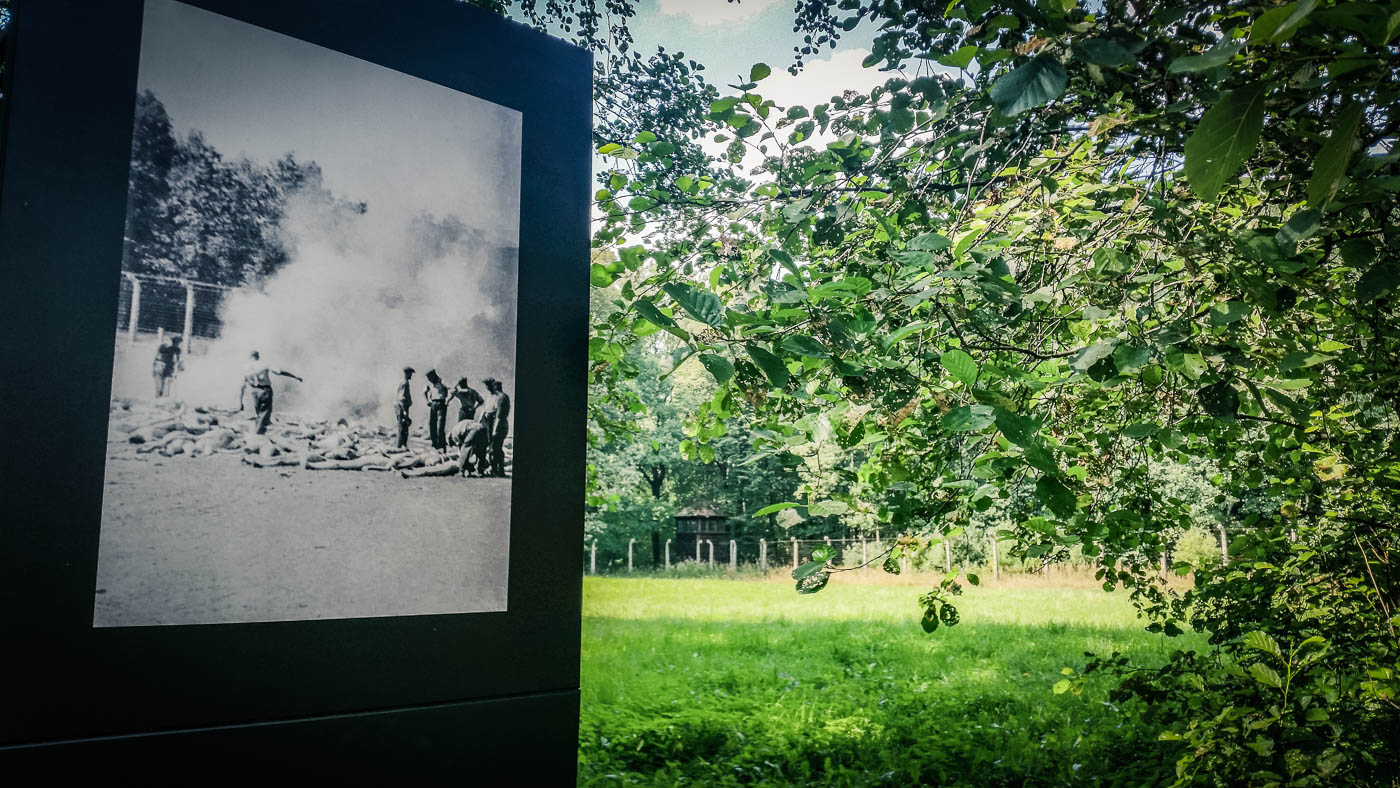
(1018, 429)
(968, 418)
(930, 242)
(774, 508)
(808, 568)
(699, 304)
(929, 622)
(1102, 52)
(599, 275)
(1056, 496)
(1220, 400)
(1141, 430)
(803, 345)
(1031, 84)
(719, 367)
(960, 365)
(904, 331)
(1224, 140)
(1216, 56)
(1040, 457)
(823, 553)
(891, 563)
(1226, 312)
(785, 260)
(1061, 687)
(962, 58)
(823, 508)
(1299, 359)
(974, 579)
(1330, 167)
(1377, 282)
(759, 71)
(813, 583)
(1265, 675)
(1130, 358)
(649, 311)
(1091, 355)
(1279, 24)
(771, 365)
(1111, 261)
(1261, 641)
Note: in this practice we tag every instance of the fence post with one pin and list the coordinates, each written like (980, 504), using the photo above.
(996, 570)
(1164, 565)
(794, 553)
(1224, 548)
(947, 556)
(189, 314)
(763, 555)
(135, 315)
(712, 553)
(668, 553)
(629, 554)
(904, 565)
(698, 543)
(863, 558)
(593, 558)
(733, 555)
(827, 539)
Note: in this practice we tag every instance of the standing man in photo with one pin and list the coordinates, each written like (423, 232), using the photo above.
(468, 400)
(496, 417)
(436, 394)
(403, 400)
(167, 364)
(259, 379)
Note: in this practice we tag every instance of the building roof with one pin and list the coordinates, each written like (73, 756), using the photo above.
(698, 510)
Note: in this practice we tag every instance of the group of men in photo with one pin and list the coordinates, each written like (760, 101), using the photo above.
(483, 422)
(479, 433)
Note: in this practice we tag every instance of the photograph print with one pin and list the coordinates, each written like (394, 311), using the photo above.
(316, 337)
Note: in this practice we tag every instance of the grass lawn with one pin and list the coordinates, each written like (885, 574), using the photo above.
(724, 682)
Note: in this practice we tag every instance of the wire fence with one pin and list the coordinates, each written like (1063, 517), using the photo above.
(761, 554)
(158, 305)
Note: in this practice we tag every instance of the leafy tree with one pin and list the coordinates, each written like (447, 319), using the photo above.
(1117, 236)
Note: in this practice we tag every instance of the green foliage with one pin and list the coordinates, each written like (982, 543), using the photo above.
(1131, 239)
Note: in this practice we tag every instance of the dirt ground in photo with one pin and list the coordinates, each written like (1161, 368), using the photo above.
(213, 540)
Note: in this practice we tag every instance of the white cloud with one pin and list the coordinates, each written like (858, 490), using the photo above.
(713, 13)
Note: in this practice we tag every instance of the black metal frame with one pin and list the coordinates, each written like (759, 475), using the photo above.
(61, 225)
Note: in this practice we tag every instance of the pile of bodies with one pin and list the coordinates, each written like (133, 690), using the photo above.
(142, 430)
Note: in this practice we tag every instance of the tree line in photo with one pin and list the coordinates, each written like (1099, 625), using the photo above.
(194, 213)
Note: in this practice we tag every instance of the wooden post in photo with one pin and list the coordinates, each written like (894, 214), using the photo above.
(996, 569)
(1164, 566)
(1224, 548)
(189, 315)
(863, 556)
(668, 553)
(135, 316)
(827, 539)
(947, 556)
(712, 553)
(794, 553)
(763, 555)
(904, 565)
(733, 555)
(699, 543)
(630, 542)
(593, 558)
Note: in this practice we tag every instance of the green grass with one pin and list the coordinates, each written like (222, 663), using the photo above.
(716, 682)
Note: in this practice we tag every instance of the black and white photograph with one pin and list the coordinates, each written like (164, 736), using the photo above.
(311, 405)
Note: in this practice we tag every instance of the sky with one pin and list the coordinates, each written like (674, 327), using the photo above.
(728, 38)
(402, 144)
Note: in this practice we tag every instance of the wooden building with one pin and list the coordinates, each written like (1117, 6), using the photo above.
(699, 523)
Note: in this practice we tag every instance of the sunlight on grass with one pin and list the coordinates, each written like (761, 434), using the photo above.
(721, 682)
